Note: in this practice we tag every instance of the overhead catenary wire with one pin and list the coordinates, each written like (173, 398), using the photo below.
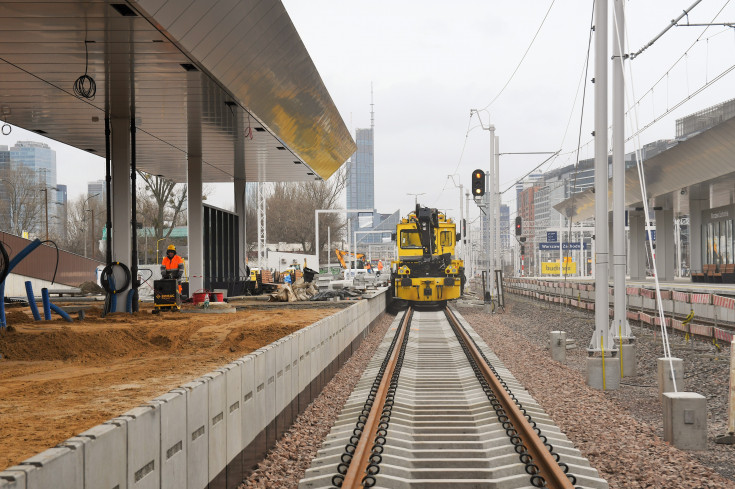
(672, 24)
(522, 57)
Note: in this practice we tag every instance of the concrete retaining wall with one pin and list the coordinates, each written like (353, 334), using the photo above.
(211, 432)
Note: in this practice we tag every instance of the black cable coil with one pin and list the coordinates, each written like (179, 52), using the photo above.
(515, 439)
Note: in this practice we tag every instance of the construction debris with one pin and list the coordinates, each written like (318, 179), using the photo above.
(299, 291)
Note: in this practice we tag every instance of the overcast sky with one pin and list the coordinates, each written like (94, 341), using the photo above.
(431, 62)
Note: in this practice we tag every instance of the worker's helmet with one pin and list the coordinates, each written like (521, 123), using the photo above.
(170, 248)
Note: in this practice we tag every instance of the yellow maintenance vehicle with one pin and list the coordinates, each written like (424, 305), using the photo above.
(426, 271)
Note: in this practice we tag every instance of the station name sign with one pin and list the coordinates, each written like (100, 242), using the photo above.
(555, 246)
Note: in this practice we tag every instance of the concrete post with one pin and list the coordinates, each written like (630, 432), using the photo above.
(637, 245)
(695, 232)
(665, 245)
(628, 359)
(558, 343)
(685, 420)
(603, 373)
(665, 377)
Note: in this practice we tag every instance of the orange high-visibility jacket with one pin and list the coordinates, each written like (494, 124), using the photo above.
(174, 263)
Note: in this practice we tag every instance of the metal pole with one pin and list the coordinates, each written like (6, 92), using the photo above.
(468, 256)
(461, 220)
(45, 197)
(329, 248)
(92, 240)
(491, 211)
(561, 246)
(601, 238)
(497, 243)
(316, 240)
(618, 144)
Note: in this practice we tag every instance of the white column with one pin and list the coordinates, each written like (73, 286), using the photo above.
(618, 109)
(601, 244)
(194, 183)
(120, 198)
(491, 211)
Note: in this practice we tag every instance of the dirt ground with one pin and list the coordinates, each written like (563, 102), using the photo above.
(58, 379)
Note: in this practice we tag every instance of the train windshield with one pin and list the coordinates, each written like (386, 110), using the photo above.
(446, 238)
(410, 239)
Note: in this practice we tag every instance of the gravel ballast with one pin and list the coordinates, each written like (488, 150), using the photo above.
(619, 431)
(287, 462)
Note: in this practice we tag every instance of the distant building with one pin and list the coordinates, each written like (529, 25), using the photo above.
(97, 187)
(361, 182)
(40, 158)
(693, 124)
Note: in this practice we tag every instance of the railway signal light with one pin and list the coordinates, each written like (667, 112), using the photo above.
(478, 183)
(519, 221)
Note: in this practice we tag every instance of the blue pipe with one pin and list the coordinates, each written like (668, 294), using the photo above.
(113, 297)
(23, 253)
(46, 304)
(32, 301)
(129, 302)
(16, 259)
(61, 313)
(3, 324)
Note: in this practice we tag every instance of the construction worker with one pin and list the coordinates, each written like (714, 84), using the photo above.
(172, 265)
(380, 267)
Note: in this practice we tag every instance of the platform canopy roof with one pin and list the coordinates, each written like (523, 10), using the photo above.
(707, 157)
(232, 74)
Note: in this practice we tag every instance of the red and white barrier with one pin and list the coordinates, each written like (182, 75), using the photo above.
(701, 298)
(721, 301)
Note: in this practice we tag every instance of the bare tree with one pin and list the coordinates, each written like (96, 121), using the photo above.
(291, 208)
(85, 222)
(21, 206)
(161, 204)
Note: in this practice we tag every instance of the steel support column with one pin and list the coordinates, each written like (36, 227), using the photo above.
(194, 181)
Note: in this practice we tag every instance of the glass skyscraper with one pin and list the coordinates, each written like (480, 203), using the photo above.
(41, 159)
(361, 182)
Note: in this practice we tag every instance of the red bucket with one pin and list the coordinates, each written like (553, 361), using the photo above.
(199, 297)
(216, 297)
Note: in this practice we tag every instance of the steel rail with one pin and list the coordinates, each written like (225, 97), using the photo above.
(361, 456)
(549, 469)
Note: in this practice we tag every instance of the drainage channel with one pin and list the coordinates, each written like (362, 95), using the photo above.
(438, 429)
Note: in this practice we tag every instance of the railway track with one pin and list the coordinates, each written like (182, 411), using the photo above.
(435, 409)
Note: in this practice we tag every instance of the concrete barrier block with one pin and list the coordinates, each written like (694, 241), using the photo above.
(58, 467)
(260, 369)
(233, 415)
(295, 381)
(172, 407)
(15, 477)
(144, 447)
(217, 429)
(270, 395)
(666, 377)
(247, 389)
(197, 432)
(106, 455)
(685, 420)
(304, 367)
